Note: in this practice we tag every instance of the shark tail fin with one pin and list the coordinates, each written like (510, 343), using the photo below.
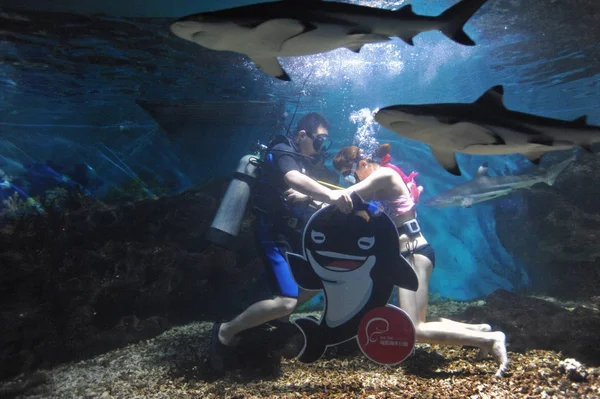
(314, 345)
(406, 12)
(553, 173)
(456, 17)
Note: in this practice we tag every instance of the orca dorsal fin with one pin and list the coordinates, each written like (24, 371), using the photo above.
(493, 97)
(482, 171)
(581, 121)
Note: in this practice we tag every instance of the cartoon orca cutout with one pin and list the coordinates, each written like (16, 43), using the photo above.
(355, 259)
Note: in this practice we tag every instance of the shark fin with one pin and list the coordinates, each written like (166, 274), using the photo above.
(553, 173)
(407, 40)
(355, 47)
(581, 121)
(482, 170)
(274, 32)
(447, 159)
(453, 20)
(492, 97)
(535, 157)
(271, 66)
(406, 12)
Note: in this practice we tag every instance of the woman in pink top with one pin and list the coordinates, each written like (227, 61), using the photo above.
(398, 194)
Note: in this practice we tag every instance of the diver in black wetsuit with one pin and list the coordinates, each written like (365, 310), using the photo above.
(283, 213)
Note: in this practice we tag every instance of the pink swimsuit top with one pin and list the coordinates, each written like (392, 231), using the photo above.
(404, 203)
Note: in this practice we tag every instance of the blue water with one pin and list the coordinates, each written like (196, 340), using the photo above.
(69, 83)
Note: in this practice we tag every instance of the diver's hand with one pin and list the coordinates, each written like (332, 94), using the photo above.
(292, 195)
(341, 199)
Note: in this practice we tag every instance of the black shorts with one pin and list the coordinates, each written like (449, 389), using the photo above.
(425, 250)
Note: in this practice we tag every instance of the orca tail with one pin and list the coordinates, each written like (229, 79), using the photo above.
(314, 344)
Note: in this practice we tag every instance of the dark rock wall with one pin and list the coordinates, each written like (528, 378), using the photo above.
(557, 237)
(73, 284)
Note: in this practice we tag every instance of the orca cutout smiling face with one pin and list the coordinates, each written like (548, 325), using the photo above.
(336, 243)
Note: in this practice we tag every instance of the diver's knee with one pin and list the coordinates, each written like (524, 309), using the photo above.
(286, 304)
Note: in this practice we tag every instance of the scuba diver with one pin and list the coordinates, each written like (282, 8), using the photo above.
(288, 162)
(397, 195)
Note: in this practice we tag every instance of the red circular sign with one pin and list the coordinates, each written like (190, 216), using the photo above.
(386, 335)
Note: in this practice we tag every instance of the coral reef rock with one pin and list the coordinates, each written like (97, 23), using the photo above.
(531, 323)
(560, 249)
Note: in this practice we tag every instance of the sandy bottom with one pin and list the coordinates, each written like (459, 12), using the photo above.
(168, 366)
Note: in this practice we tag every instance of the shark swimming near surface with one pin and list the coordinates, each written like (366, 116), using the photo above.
(484, 187)
(485, 127)
(289, 28)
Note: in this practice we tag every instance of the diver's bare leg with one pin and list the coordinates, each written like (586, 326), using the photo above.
(483, 353)
(474, 327)
(255, 315)
(303, 297)
(415, 304)
(442, 334)
(424, 268)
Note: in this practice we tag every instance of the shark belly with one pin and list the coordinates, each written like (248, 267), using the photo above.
(523, 141)
(323, 39)
(566, 136)
(327, 37)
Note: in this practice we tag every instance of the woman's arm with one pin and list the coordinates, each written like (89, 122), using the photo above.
(307, 186)
(303, 184)
(381, 179)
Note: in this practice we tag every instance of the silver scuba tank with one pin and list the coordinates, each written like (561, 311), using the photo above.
(228, 219)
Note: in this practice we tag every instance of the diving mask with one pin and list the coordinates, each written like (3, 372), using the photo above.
(321, 143)
(350, 176)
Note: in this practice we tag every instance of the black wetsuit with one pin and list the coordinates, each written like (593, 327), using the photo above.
(280, 224)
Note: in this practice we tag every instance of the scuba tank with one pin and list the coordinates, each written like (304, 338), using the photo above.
(228, 220)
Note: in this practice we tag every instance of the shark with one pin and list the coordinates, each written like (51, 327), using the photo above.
(485, 127)
(484, 187)
(290, 28)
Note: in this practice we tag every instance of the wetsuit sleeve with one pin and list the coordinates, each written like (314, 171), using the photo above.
(287, 163)
(284, 159)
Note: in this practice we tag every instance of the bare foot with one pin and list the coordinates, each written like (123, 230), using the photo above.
(498, 351)
(483, 327)
(224, 338)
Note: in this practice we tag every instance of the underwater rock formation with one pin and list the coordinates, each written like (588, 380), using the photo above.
(531, 323)
(560, 246)
(77, 283)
